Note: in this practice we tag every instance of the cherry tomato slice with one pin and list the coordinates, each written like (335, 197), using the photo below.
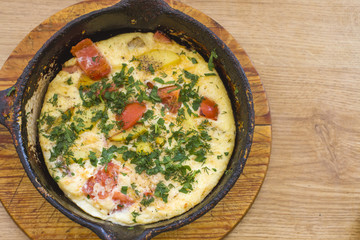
(90, 60)
(209, 109)
(81, 45)
(160, 37)
(122, 198)
(170, 98)
(106, 179)
(88, 187)
(131, 114)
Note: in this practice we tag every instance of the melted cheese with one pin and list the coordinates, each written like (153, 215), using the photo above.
(73, 171)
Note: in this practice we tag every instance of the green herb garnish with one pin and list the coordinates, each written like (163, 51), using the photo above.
(151, 69)
(162, 191)
(12, 89)
(124, 190)
(213, 55)
(193, 60)
(54, 100)
(69, 81)
(210, 74)
(135, 215)
(147, 200)
(93, 158)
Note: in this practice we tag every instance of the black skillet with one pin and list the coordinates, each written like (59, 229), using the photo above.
(20, 105)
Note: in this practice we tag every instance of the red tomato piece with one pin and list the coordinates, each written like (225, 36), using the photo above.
(88, 188)
(122, 198)
(106, 179)
(122, 201)
(81, 45)
(170, 98)
(90, 60)
(209, 109)
(131, 114)
(160, 37)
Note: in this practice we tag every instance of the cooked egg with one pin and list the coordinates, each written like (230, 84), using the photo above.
(144, 141)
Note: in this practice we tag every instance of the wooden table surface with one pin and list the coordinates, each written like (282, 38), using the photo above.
(308, 56)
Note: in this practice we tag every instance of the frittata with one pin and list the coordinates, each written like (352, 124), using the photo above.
(136, 128)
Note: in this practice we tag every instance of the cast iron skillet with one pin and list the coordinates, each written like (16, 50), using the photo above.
(20, 105)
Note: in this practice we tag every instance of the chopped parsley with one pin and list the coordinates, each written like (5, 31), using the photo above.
(191, 76)
(108, 154)
(209, 74)
(206, 169)
(151, 69)
(149, 114)
(193, 60)
(133, 59)
(69, 81)
(49, 120)
(135, 214)
(54, 100)
(162, 191)
(133, 186)
(211, 65)
(64, 137)
(93, 158)
(12, 89)
(154, 95)
(189, 93)
(124, 190)
(196, 103)
(147, 200)
(187, 184)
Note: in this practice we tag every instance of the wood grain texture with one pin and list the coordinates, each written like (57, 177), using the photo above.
(307, 54)
(40, 220)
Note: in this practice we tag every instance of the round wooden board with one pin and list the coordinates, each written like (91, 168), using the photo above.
(39, 220)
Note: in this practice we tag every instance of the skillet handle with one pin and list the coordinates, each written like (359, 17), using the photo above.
(7, 98)
(149, 7)
(114, 233)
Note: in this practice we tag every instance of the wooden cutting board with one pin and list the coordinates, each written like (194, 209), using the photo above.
(39, 220)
